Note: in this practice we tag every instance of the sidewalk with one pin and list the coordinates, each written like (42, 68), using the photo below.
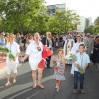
(3, 64)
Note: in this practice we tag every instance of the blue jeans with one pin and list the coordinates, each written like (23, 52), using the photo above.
(81, 78)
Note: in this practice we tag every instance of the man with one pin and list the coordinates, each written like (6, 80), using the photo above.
(89, 44)
(68, 44)
(75, 49)
(48, 41)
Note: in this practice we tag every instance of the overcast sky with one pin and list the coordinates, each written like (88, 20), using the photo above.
(87, 8)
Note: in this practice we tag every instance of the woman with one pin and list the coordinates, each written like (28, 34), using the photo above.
(29, 40)
(14, 48)
(22, 41)
(18, 38)
(34, 51)
(95, 54)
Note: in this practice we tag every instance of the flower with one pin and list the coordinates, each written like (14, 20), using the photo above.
(71, 57)
(81, 71)
(56, 68)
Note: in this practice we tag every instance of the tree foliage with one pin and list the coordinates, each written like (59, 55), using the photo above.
(92, 29)
(96, 22)
(89, 29)
(19, 13)
(63, 21)
(30, 16)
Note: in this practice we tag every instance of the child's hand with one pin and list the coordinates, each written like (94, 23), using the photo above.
(76, 64)
(84, 68)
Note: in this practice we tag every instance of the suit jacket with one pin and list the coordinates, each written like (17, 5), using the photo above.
(89, 45)
(45, 41)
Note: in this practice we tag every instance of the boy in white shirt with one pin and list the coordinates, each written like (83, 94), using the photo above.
(12, 64)
(82, 61)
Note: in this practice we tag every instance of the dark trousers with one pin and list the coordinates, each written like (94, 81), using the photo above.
(81, 79)
(48, 59)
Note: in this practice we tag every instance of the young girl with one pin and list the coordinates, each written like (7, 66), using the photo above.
(59, 69)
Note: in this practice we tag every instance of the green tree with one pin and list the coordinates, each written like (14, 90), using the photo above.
(63, 21)
(96, 29)
(96, 22)
(19, 13)
(89, 29)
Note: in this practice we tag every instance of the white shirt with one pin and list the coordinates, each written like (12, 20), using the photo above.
(14, 48)
(82, 60)
(76, 47)
(34, 55)
(64, 38)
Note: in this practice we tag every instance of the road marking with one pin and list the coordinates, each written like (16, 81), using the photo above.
(32, 95)
(26, 76)
(19, 93)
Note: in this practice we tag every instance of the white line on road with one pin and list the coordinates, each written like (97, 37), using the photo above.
(19, 93)
(32, 95)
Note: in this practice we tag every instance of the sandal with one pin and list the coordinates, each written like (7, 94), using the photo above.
(41, 86)
(34, 86)
(14, 81)
(7, 83)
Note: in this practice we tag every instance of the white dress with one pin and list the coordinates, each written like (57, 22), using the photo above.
(35, 56)
(74, 48)
(67, 47)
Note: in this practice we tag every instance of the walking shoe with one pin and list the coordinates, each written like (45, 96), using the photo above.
(74, 91)
(58, 89)
(82, 91)
(56, 86)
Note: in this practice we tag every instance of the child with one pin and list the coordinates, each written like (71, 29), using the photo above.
(59, 72)
(12, 65)
(82, 62)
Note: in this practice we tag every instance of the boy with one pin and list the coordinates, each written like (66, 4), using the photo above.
(82, 61)
(12, 65)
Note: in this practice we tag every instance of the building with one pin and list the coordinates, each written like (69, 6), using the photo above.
(84, 22)
(52, 9)
(90, 21)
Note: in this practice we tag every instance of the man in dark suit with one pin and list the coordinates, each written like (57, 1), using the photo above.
(48, 41)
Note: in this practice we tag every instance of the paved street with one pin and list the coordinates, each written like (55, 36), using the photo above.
(23, 88)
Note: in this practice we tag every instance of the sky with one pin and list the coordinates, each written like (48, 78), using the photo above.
(87, 8)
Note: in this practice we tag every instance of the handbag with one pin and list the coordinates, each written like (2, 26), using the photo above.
(45, 53)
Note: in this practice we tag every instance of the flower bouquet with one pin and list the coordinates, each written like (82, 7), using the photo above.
(71, 57)
(81, 71)
(55, 65)
(4, 49)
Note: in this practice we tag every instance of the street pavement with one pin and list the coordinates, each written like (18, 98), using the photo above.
(23, 88)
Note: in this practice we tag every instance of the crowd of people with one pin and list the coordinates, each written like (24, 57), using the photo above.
(85, 47)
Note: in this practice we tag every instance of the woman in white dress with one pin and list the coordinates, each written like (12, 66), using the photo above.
(34, 52)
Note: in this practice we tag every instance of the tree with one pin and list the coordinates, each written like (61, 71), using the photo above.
(19, 13)
(96, 22)
(89, 29)
(96, 29)
(63, 21)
